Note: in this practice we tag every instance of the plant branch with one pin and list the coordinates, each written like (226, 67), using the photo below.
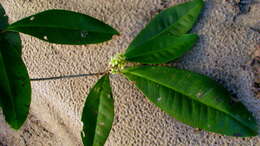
(67, 77)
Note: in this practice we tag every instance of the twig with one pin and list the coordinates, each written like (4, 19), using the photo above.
(67, 77)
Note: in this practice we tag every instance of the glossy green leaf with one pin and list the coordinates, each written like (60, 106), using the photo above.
(2, 11)
(10, 39)
(15, 88)
(98, 114)
(193, 99)
(162, 49)
(176, 20)
(64, 27)
(13, 40)
(3, 18)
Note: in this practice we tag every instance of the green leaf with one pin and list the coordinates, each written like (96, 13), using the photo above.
(15, 88)
(176, 20)
(3, 18)
(13, 40)
(2, 11)
(193, 99)
(98, 114)
(64, 27)
(162, 49)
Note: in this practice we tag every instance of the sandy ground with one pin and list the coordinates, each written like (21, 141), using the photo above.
(227, 46)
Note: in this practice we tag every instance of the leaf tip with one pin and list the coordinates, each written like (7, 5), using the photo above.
(115, 32)
(15, 125)
(2, 10)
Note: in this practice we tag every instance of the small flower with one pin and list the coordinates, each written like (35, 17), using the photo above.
(117, 63)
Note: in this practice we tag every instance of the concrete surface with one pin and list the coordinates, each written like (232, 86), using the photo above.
(224, 53)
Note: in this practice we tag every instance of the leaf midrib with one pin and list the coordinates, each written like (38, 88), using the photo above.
(12, 28)
(165, 30)
(99, 108)
(230, 114)
(151, 52)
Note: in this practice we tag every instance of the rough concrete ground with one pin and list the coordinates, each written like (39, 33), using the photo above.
(228, 43)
